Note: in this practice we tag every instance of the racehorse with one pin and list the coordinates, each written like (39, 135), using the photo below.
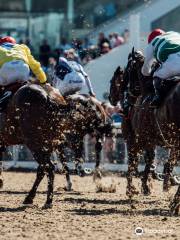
(74, 141)
(118, 87)
(42, 122)
(150, 126)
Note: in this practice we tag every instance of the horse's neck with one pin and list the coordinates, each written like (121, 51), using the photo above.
(147, 85)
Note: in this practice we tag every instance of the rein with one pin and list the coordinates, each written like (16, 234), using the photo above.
(165, 141)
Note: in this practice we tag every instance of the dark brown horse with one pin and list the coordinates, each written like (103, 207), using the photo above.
(75, 141)
(118, 89)
(152, 127)
(41, 122)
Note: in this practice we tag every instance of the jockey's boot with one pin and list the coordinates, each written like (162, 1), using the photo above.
(157, 99)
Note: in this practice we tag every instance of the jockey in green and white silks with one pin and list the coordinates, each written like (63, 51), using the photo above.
(164, 47)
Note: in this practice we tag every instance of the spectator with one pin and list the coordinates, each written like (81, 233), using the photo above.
(64, 45)
(50, 70)
(87, 58)
(21, 41)
(105, 48)
(72, 55)
(118, 40)
(125, 35)
(117, 114)
(108, 143)
(86, 43)
(77, 44)
(112, 40)
(45, 51)
(28, 43)
(101, 40)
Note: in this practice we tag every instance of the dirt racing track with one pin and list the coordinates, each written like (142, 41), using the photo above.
(83, 213)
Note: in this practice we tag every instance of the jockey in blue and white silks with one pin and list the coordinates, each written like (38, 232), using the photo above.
(70, 77)
(164, 47)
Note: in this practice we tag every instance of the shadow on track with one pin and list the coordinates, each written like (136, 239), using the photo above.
(126, 212)
(103, 201)
(17, 209)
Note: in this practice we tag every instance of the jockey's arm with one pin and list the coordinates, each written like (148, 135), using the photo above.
(89, 85)
(35, 66)
(88, 81)
(149, 59)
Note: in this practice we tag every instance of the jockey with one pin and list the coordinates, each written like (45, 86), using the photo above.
(164, 47)
(70, 77)
(16, 61)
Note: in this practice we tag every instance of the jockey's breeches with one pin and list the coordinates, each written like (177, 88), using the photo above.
(170, 68)
(72, 82)
(12, 71)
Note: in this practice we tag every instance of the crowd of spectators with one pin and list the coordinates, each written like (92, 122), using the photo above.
(82, 50)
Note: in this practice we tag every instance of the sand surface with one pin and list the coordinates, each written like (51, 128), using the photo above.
(83, 213)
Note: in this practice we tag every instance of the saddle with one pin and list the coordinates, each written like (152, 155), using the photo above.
(6, 93)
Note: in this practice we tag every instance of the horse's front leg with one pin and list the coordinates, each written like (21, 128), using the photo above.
(2, 149)
(63, 161)
(50, 171)
(149, 160)
(168, 169)
(32, 193)
(98, 149)
(68, 178)
(78, 151)
(132, 169)
(175, 204)
(1, 178)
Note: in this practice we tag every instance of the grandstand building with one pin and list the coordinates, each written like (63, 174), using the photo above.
(52, 19)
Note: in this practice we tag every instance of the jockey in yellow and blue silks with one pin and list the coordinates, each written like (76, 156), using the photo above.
(70, 77)
(164, 47)
(16, 62)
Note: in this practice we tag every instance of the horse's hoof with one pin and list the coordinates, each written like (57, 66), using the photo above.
(88, 171)
(47, 206)
(131, 192)
(1, 183)
(68, 188)
(97, 174)
(166, 188)
(174, 208)
(176, 180)
(146, 191)
(160, 176)
(28, 201)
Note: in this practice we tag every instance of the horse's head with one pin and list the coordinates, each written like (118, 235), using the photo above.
(132, 73)
(115, 86)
